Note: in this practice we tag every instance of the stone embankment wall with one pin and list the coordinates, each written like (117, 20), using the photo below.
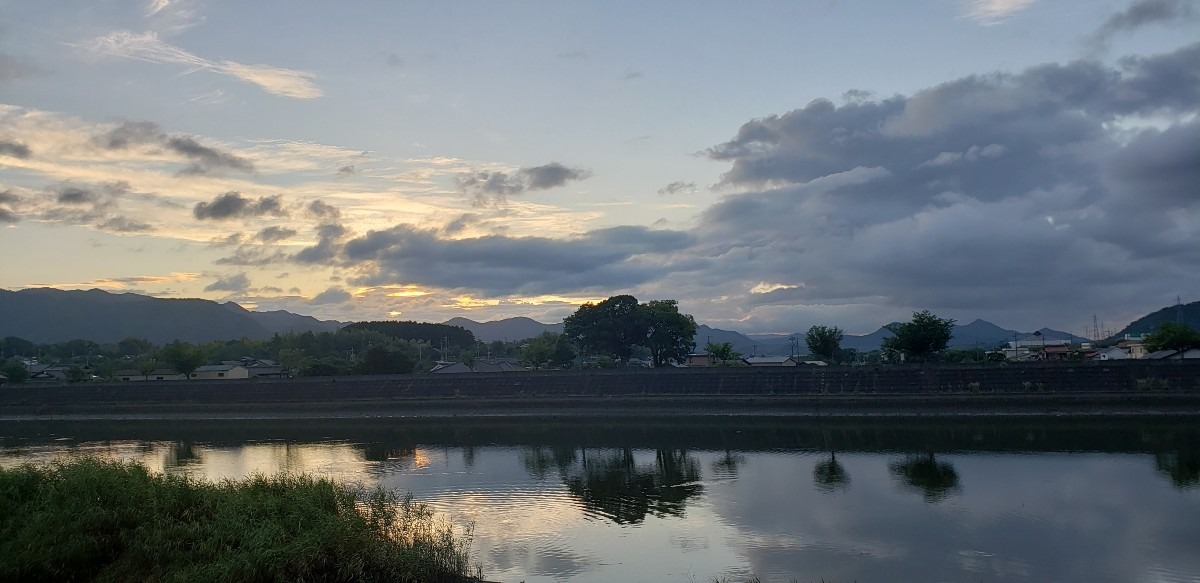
(1150, 383)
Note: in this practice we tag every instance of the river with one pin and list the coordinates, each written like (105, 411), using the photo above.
(728, 498)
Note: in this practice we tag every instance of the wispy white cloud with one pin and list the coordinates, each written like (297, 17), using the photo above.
(147, 47)
(989, 12)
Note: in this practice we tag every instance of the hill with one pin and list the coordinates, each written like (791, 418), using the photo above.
(508, 329)
(1186, 313)
(46, 315)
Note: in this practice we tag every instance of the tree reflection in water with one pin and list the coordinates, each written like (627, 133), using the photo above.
(1182, 467)
(614, 486)
(829, 475)
(727, 466)
(935, 480)
(538, 461)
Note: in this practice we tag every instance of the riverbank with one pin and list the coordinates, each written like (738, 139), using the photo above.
(1133, 388)
(93, 520)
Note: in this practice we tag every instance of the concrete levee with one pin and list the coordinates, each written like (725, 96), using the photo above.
(1121, 381)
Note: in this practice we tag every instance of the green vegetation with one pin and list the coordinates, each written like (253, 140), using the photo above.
(455, 337)
(723, 353)
(923, 337)
(615, 326)
(93, 520)
(1172, 336)
(824, 341)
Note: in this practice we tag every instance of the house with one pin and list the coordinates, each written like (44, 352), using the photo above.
(1111, 353)
(158, 374)
(1056, 352)
(700, 359)
(261, 368)
(770, 361)
(221, 371)
(1134, 348)
(1174, 354)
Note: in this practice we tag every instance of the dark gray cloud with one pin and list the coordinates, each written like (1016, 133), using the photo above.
(1142, 13)
(346, 171)
(8, 205)
(125, 225)
(323, 210)
(333, 295)
(329, 237)
(14, 149)
(393, 60)
(232, 205)
(606, 258)
(966, 195)
(275, 234)
(75, 195)
(496, 187)
(253, 256)
(461, 222)
(237, 283)
(678, 187)
(204, 159)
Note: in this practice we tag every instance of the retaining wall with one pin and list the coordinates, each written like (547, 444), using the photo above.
(1121, 381)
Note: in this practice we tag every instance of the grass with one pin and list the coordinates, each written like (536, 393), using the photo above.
(94, 520)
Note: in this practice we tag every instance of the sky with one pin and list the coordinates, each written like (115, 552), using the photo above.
(770, 165)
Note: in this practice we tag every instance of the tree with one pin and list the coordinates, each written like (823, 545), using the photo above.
(294, 360)
(611, 327)
(15, 371)
(1172, 336)
(145, 366)
(134, 346)
(538, 351)
(722, 353)
(385, 360)
(824, 341)
(183, 357)
(670, 335)
(924, 336)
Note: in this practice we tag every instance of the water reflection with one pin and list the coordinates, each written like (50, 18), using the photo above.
(613, 485)
(830, 476)
(933, 479)
(608, 501)
(1182, 467)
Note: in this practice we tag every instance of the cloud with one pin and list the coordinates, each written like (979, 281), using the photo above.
(606, 258)
(1143, 13)
(237, 283)
(961, 195)
(205, 159)
(323, 210)
(329, 237)
(333, 295)
(147, 47)
(678, 187)
(496, 187)
(990, 12)
(234, 205)
(347, 170)
(8, 204)
(76, 195)
(125, 225)
(275, 234)
(14, 149)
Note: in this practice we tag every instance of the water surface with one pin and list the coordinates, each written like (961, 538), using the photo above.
(693, 499)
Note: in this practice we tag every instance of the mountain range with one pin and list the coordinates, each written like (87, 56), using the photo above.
(47, 315)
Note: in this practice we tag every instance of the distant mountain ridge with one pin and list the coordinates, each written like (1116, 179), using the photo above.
(1188, 314)
(508, 329)
(46, 315)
